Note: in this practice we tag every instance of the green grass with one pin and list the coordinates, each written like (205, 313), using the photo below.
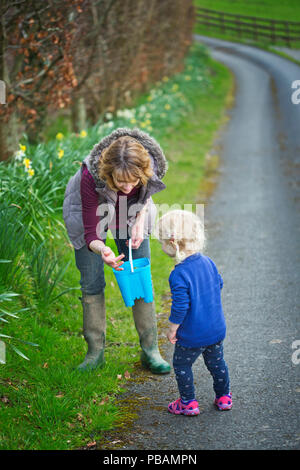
(44, 402)
(288, 10)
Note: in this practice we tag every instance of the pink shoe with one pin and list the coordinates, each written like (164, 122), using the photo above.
(224, 402)
(178, 408)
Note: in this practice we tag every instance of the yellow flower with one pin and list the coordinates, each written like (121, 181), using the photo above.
(31, 171)
(175, 87)
(133, 121)
(149, 98)
(22, 147)
(147, 122)
(165, 79)
(83, 134)
(167, 106)
(27, 162)
(50, 165)
(59, 136)
(60, 153)
(187, 77)
(143, 124)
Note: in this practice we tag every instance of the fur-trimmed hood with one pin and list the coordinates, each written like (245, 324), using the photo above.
(158, 159)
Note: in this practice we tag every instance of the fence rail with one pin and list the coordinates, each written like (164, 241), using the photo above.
(250, 26)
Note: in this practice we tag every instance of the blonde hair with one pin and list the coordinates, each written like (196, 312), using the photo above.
(186, 230)
(127, 160)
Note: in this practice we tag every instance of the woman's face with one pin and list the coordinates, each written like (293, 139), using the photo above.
(125, 186)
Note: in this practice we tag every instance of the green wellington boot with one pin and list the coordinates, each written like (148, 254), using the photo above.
(145, 322)
(94, 329)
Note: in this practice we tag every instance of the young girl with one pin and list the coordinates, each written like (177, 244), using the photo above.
(197, 324)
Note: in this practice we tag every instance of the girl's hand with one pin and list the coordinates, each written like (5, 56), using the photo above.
(171, 333)
(110, 258)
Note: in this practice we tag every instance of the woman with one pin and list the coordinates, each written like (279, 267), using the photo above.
(113, 189)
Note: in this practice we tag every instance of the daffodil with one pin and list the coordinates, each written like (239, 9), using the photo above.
(143, 124)
(22, 147)
(60, 153)
(133, 121)
(27, 163)
(59, 136)
(83, 134)
(31, 171)
(19, 155)
(167, 106)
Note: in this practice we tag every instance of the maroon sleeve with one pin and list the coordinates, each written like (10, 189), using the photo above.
(89, 202)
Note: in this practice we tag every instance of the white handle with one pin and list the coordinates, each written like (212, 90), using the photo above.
(130, 255)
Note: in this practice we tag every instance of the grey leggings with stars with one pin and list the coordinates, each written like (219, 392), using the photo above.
(183, 360)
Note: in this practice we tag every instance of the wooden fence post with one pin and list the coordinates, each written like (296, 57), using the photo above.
(273, 35)
(287, 29)
(223, 22)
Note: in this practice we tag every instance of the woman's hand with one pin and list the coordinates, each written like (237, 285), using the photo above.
(111, 259)
(106, 253)
(137, 234)
(137, 231)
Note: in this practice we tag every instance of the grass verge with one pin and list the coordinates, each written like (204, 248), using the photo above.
(45, 403)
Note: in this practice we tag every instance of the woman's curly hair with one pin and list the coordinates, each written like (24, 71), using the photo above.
(127, 160)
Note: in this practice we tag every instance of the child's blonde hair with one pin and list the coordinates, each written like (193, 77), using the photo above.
(186, 230)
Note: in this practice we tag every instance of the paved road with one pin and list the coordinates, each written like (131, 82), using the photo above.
(253, 230)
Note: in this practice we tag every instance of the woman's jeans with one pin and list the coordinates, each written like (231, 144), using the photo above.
(91, 265)
(183, 360)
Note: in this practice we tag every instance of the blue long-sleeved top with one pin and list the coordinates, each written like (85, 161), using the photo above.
(196, 302)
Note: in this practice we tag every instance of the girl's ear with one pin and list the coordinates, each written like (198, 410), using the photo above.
(172, 242)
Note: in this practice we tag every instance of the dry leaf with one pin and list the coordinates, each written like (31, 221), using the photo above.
(90, 444)
(60, 395)
(103, 401)
(127, 375)
(119, 376)
(45, 366)
(274, 341)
